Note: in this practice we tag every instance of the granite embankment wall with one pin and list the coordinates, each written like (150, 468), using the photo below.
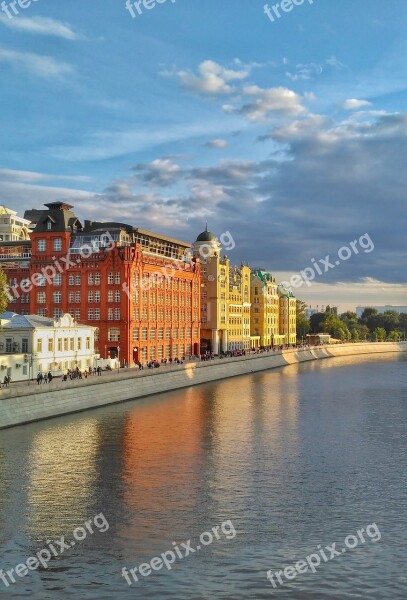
(23, 404)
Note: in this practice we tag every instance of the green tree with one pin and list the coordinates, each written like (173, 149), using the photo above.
(317, 322)
(395, 336)
(354, 335)
(303, 325)
(4, 298)
(379, 334)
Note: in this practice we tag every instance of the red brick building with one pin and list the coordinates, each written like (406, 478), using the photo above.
(141, 289)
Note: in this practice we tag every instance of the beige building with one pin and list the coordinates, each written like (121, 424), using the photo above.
(288, 316)
(265, 313)
(225, 299)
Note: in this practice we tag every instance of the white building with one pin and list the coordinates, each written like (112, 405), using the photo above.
(381, 309)
(30, 344)
(12, 227)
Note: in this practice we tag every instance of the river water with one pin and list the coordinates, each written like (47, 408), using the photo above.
(284, 463)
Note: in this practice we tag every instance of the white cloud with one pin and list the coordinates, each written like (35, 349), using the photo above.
(36, 64)
(41, 26)
(34, 176)
(354, 104)
(278, 100)
(212, 78)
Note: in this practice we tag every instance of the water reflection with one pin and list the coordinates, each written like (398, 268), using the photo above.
(61, 476)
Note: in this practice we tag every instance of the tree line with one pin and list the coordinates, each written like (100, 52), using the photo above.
(348, 327)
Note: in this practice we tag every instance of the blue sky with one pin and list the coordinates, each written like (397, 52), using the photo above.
(289, 134)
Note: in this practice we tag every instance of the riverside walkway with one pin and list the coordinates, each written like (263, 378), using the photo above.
(22, 388)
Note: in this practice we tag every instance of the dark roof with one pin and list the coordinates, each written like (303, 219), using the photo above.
(102, 227)
(59, 213)
(206, 236)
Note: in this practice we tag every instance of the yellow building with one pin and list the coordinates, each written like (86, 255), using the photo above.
(288, 316)
(265, 313)
(225, 299)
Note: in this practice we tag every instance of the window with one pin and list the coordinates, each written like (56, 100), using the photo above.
(152, 334)
(59, 344)
(57, 245)
(110, 279)
(41, 245)
(50, 345)
(97, 297)
(78, 280)
(117, 314)
(42, 312)
(41, 297)
(135, 335)
(41, 281)
(79, 343)
(66, 344)
(24, 345)
(9, 344)
(57, 297)
(77, 314)
(71, 280)
(97, 314)
(97, 335)
(117, 296)
(110, 296)
(88, 343)
(110, 314)
(97, 278)
(57, 280)
(114, 334)
(49, 225)
(90, 297)
(90, 314)
(117, 278)
(77, 297)
(39, 346)
(91, 279)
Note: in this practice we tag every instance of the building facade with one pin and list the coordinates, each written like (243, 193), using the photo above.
(265, 312)
(139, 289)
(30, 344)
(225, 299)
(288, 317)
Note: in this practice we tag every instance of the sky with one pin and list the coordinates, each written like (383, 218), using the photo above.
(289, 132)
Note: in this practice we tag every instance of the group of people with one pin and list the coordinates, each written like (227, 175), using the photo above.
(44, 377)
(77, 373)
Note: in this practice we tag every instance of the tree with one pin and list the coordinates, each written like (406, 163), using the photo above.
(317, 322)
(395, 336)
(303, 325)
(379, 334)
(4, 298)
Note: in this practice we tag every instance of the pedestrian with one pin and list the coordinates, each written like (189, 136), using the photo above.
(39, 378)
(5, 381)
(50, 377)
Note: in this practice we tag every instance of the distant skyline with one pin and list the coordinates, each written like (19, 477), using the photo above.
(291, 135)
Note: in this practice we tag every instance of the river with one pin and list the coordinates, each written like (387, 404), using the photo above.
(284, 463)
